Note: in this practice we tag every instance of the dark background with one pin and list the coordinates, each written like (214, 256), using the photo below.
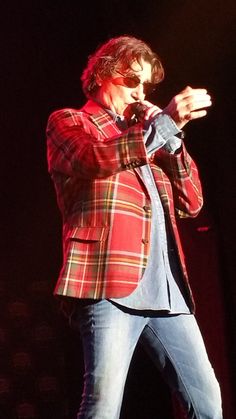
(44, 48)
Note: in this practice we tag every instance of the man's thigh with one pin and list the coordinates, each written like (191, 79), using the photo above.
(109, 337)
(175, 344)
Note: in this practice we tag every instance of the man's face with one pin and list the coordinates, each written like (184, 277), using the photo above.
(125, 87)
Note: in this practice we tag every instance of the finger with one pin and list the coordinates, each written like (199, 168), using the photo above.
(151, 112)
(196, 115)
(190, 91)
(193, 95)
(192, 104)
(197, 106)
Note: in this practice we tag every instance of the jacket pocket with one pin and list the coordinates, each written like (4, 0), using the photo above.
(92, 234)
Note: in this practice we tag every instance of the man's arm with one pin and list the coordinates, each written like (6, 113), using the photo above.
(73, 148)
(184, 177)
(171, 156)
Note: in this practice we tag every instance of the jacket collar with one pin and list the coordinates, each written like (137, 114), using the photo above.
(96, 110)
(104, 121)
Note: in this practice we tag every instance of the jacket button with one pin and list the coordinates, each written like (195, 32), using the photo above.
(147, 208)
(145, 241)
(152, 157)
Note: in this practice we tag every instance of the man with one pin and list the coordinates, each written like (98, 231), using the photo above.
(122, 173)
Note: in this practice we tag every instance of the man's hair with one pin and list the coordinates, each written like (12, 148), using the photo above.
(118, 54)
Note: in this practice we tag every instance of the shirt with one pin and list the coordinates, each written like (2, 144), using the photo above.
(161, 286)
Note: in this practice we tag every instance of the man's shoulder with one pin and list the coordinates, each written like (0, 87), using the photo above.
(66, 117)
(63, 113)
(76, 115)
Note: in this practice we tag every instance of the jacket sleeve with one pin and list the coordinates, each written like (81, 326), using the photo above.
(184, 177)
(76, 146)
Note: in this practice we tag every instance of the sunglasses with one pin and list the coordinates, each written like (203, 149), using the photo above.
(133, 81)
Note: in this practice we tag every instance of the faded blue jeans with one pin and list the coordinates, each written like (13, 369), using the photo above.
(110, 334)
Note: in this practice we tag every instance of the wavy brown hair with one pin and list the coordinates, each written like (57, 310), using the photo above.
(116, 54)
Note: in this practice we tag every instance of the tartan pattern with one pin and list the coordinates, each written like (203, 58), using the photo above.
(104, 203)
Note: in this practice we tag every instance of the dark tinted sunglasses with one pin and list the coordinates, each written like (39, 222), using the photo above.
(133, 81)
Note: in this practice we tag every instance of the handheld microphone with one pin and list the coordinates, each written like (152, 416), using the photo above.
(138, 110)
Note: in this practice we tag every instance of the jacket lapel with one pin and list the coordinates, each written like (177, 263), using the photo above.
(103, 121)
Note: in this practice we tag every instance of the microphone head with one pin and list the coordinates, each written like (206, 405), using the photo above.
(138, 110)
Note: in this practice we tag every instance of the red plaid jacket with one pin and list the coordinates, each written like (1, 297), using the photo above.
(104, 204)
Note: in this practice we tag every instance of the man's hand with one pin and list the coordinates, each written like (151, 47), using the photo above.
(188, 105)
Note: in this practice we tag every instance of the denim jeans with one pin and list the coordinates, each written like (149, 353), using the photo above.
(110, 334)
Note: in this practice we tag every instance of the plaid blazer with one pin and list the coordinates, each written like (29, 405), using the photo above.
(104, 204)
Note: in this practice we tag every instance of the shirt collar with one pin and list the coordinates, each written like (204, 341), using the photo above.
(120, 120)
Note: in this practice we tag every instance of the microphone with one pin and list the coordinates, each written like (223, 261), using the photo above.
(138, 110)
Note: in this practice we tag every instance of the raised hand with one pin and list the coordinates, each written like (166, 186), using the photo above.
(188, 105)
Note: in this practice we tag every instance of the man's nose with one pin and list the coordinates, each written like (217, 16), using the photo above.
(138, 92)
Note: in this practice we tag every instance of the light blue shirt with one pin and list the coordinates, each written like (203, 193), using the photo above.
(160, 287)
